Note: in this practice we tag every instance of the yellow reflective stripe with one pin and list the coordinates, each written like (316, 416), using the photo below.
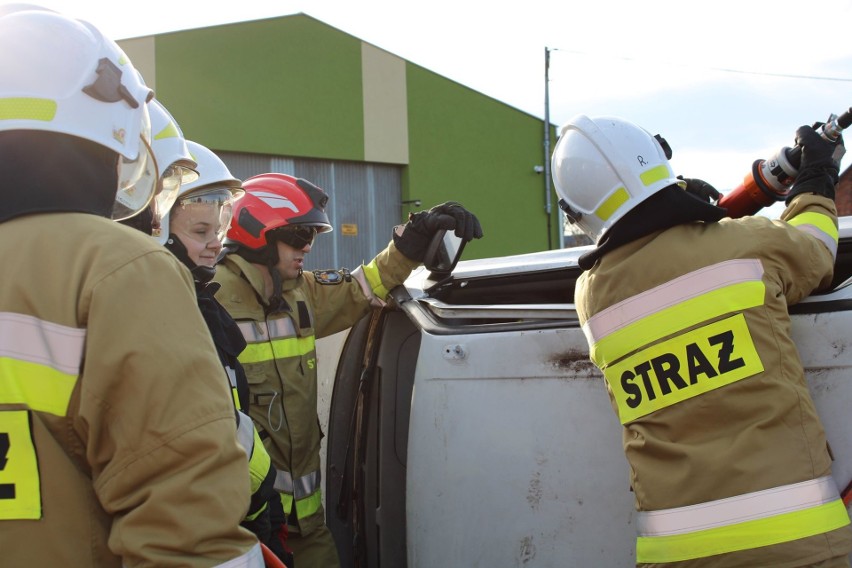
(819, 226)
(655, 174)
(612, 203)
(293, 346)
(683, 367)
(39, 387)
(743, 536)
(286, 502)
(170, 131)
(259, 463)
(20, 487)
(256, 514)
(309, 505)
(823, 222)
(255, 353)
(738, 508)
(374, 279)
(306, 487)
(235, 393)
(689, 285)
(682, 315)
(27, 108)
(278, 349)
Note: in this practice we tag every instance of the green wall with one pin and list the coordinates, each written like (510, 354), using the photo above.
(289, 86)
(470, 148)
(292, 86)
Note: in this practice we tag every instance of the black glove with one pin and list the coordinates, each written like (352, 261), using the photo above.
(820, 164)
(422, 226)
(701, 189)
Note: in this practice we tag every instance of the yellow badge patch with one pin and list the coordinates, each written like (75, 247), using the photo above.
(683, 367)
(20, 490)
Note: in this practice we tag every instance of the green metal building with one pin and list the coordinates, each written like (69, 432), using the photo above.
(381, 135)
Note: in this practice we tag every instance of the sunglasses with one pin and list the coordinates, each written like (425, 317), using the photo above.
(296, 236)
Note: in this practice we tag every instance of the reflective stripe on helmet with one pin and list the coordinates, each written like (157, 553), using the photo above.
(27, 108)
(763, 518)
(604, 167)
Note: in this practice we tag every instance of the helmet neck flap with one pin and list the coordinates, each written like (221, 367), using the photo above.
(45, 172)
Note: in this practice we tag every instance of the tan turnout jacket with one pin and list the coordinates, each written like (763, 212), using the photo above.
(117, 430)
(691, 329)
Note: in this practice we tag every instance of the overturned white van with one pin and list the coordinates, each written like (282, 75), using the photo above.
(467, 426)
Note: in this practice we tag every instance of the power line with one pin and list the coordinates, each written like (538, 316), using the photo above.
(722, 69)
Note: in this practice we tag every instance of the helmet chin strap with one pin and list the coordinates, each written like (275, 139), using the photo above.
(268, 256)
(276, 300)
(201, 274)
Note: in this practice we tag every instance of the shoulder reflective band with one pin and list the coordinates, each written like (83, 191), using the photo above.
(686, 301)
(306, 491)
(20, 489)
(39, 362)
(374, 279)
(762, 518)
(275, 340)
(690, 364)
(820, 226)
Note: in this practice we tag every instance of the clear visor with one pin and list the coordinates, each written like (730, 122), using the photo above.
(203, 217)
(137, 183)
(170, 183)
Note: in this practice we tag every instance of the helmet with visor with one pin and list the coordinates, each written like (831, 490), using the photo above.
(64, 76)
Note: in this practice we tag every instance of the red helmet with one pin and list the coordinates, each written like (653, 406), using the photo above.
(273, 201)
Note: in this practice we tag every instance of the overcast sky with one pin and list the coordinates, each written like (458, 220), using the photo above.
(725, 82)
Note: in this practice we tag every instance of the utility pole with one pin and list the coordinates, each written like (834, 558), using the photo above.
(548, 207)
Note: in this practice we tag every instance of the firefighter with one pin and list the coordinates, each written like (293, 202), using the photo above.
(282, 311)
(117, 443)
(193, 231)
(686, 314)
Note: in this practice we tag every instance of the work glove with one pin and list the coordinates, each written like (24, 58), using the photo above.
(820, 165)
(701, 189)
(423, 225)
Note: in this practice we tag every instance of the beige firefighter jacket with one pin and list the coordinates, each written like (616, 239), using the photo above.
(691, 330)
(280, 359)
(116, 429)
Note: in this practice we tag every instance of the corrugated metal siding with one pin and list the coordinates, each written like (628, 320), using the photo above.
(364, 203)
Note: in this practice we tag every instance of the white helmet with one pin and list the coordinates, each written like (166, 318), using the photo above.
(62, 75)
(604, 167)
(214, 184)
(174, 161)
